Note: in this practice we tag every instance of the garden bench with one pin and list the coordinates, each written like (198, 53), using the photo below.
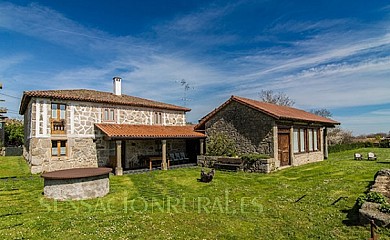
(229, 163)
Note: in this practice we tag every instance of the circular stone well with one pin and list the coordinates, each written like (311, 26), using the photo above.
(77, 183)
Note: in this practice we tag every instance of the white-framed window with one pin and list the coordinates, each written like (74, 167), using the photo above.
(306, 140)
(108, 115)
(316, 139)
(296, 140)
(302, 138)
(58, 118)
(59, 148)
(310, 139)
(58, 111)
(158, 118)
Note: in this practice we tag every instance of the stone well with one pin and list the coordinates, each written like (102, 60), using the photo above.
(77, 183)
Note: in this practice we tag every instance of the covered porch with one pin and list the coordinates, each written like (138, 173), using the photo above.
(141, 147)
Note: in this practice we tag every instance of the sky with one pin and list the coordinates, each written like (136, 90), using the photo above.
(322, 54)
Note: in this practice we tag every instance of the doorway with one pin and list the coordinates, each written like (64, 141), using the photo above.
(284, 148)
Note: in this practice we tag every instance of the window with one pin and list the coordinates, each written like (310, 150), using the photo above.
(310, 138)
(58, 148)
(306, 140)
(302, 145)
(158, 118)
(299, 140)
(316, 139)
(108, 115)
(58, 115)
(313, 139)
(296, 140)
(58, 111)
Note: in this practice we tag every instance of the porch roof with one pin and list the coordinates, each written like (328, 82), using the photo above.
(129, 131)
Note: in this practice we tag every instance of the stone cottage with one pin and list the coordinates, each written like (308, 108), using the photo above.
(87, 128)
(288, 135)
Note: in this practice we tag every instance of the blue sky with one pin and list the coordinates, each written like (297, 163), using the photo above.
(323, 54)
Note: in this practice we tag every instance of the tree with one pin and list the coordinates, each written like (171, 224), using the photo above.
(323, 112)
(14, 132)
(278, 98)
(338, 135)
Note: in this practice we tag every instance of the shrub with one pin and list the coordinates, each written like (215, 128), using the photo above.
(253, 157)
(349, 146)
(374, 197)
(219, 144)
(385, 208)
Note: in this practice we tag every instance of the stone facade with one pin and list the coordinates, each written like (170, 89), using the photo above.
(251, 130)
(86, 146)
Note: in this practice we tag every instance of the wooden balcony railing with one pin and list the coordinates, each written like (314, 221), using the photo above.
(58, 126)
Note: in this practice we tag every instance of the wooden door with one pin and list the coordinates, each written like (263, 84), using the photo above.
(284, 149)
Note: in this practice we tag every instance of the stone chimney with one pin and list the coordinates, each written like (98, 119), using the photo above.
(117, 85)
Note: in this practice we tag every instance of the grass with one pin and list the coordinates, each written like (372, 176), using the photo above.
(294, 203)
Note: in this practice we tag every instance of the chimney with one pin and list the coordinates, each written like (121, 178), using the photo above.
(117, 85)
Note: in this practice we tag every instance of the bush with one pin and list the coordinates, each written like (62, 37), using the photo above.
(349, 146)
(385, 208)
(374, 197)
(14, 132)
(219, 144)
(253, 157)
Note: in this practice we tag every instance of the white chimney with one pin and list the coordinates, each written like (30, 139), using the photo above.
(117, 85)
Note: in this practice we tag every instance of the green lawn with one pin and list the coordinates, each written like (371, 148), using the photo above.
(173, 205)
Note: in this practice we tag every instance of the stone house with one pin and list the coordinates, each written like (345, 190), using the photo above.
(288, 135)
(86, 128)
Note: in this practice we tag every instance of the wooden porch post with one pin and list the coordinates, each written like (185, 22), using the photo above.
(325, 143)
(201, 150)
(291, 146)
(164, 154)
(118, 169)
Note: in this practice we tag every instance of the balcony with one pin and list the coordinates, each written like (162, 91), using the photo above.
(58, 126)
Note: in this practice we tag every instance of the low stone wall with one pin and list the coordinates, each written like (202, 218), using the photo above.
(260, 166)
(371, 210)
(304, 158)
(77, 188)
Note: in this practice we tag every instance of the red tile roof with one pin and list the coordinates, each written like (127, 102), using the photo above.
(97, 97)
(128, 131)
(273, 110)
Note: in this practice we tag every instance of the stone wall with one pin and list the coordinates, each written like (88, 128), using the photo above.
(260, 166)
(251, 130)
(303, 158)
(81, 153)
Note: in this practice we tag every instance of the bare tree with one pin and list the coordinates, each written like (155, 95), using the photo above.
(278, 98)
(323, 112)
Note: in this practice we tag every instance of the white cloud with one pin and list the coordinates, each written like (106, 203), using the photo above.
(329, 69)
